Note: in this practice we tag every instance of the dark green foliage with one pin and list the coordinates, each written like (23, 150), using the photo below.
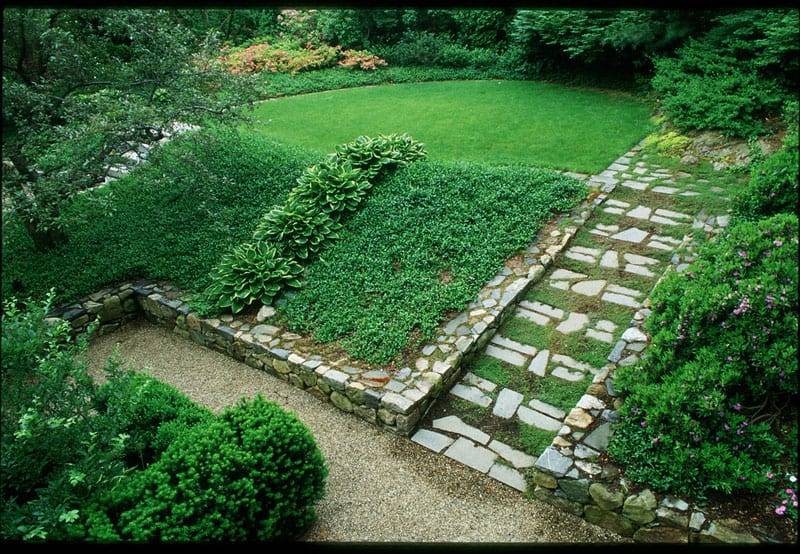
(425, 241)
(373, 154)
(256, 271)
(254, 473)
(333, 187)
(55, 451)
(735, 75)
(150, 412)
(773, 181)
(173, 217)
(704, 406)
(299, 229)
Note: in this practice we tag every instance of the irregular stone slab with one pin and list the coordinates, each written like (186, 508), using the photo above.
(665, 190)
(472, 379)
(508, 476)
(639, 260)
(432, 440)
(539, 363)
(624, 290)
(471, 394)
(673, 215)
(589, 288)
(635, 185)
(513, 345)
(598, 439)
(609, 228)
(575, 322)
(633, 334)
(547, 409)
(579, 257)
(659, 245)
(639, 270)
(567, 375)
(545, 309)
(579, 418)
(674, 503)
(506, 404)
(616, 353)
(571, 362)
(563, 285)
(640, 212)
(610, 259)
(553, 462)
(516, 457)
(620, 299)
(599, 232)
(606, 325)
(566, 275)
(615, 211)
(536, 317)
(663, 220)
(538, 419)
(508, 356)
(594, 252)
(634, 234)
(617, 203)
(723, 220)
(689, 193)
(602, 336)
(589, 402)
(453, 424)
(467, 453)
(666, 239)
(582, 451)
(450, 328)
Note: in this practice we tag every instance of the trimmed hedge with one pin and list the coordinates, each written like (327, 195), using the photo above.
(712, 405)
(253, 473)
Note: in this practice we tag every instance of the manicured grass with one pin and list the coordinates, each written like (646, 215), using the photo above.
(424, 242)
(488, 121)
(562, 394)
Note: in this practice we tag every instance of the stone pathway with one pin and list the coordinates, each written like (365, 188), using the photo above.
(518, 396)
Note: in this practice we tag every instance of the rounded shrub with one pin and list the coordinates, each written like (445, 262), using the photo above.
(712, 402)
(253, 473)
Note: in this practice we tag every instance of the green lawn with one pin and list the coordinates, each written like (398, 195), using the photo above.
(486, 121)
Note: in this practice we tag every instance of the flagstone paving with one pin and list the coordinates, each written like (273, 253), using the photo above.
(516, 395)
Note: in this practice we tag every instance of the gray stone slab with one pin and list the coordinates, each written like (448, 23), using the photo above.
(640, 212)
(639, 270)
(635, 185)
(639, 260)
(453, 424)
(589, 288)
(577, 256)
(516, 457)
(546, 309)
(508, 476)
(432, 440)
(508, 356)
(471, 394)
(602, 336)
(506, 404)
(610, 259)
(598, 439)
(565, 274)
(466, 452)
(564, 373)
(574, 323)
(547, 409)
(634, 234)
(513, 345)
(538, 419)
(620, 299)
(539, 363)
(553, 462)
(536, 317)
(606, 325)
(472, 379)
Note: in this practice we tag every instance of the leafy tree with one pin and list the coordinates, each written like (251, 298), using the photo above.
(80, 87)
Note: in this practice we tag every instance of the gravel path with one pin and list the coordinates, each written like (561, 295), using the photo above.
(381, 487)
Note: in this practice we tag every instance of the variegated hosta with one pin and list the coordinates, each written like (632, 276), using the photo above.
(334, 187)
(251, 271)
(299, 229)
(372, 154)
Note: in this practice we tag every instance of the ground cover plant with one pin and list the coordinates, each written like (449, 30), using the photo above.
(424, 243)
(488, 121)
(83, 461)
(172, 218)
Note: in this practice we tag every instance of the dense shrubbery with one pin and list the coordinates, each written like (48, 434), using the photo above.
(735, 75)
(134, 458)
(253, 473)
(712, 404)
(306, 225)
(774, 181)
(423, 243)
(172, 218)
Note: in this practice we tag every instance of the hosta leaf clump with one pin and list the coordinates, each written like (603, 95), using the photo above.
(335, 188)
(372, 154)
(299, 229)
(251, 271)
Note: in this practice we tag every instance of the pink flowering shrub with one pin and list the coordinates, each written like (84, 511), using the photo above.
(361, 59)
(787, 497)
(712, 405)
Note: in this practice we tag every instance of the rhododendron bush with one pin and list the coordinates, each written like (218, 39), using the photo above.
(712, 405)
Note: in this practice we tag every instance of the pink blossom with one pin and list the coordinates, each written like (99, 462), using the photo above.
(780, 510)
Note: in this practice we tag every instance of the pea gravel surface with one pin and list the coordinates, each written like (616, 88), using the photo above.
(381, 487)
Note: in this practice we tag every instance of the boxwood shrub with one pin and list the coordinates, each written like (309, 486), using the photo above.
(712, 405)
(253, 473)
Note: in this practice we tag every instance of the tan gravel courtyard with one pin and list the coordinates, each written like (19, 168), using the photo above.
(381, 487)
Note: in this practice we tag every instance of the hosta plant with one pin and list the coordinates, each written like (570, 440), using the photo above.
(334, 187)
(299, 229)
(372, 154)
(251, 271)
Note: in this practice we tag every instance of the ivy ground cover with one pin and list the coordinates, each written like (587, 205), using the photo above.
(497, 121)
